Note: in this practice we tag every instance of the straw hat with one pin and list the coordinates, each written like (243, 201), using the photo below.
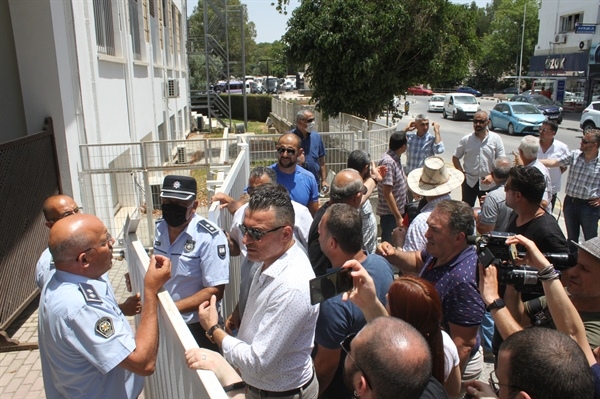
(434, 178)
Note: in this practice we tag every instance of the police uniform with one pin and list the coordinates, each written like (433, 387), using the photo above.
(44, 269)
(83, 337)
(199, 259)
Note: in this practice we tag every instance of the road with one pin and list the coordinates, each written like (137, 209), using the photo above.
(452, 131)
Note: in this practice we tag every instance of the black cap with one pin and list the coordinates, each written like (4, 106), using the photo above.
(179, 187)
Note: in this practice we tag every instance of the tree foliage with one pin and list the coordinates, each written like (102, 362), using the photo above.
(360, 53)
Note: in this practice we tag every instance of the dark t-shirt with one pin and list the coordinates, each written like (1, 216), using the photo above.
(337, 319)
(320, 263)
(434, 390)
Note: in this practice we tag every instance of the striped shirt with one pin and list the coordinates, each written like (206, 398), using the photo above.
(583, 181)
(420, 148)
(394, 177)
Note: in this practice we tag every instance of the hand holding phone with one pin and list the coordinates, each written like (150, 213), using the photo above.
(330, 284)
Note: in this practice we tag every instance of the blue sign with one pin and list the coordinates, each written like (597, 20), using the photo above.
(590, 29)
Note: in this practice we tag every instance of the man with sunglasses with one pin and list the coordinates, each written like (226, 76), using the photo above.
(582, 202)
(87, 347)
(197, 248)
(313, 148)
(300, 183)
(274, 342)
(340, 238)
(479, 150)
(389, 359)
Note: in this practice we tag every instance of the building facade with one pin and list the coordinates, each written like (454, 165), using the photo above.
(106, 71)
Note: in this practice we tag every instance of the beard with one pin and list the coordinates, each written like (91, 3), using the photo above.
(286, 162)
(348, 375)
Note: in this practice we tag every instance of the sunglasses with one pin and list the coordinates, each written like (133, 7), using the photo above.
(345, 344)
(476, 121)
(290, 151)
(310, 120)
(584, 141)
(256, 234)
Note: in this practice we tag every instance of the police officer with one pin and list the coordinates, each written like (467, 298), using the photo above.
(87, 347)
(197, 248)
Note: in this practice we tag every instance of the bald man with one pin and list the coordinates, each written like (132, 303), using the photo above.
(87, 347)
(388, 358)
(55, 208)
(300, 183)
(347, 187)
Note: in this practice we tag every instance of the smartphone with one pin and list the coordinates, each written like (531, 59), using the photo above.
(330, 284)
(486, 257)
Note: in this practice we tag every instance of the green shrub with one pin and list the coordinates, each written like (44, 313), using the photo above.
(259, 106)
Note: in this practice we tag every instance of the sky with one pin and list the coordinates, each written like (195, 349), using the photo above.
(270, 25)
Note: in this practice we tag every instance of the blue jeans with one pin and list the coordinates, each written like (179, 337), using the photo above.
(388, 223)
(579, 213)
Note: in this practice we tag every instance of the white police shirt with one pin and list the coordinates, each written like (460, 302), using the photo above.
(199, 259)
(83, 337)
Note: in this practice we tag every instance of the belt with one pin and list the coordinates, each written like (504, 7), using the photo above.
(291, 392)
(577, 200)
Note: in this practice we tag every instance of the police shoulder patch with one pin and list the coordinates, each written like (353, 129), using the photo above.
(208, 226)
(89, 293)
(105, 327)
(221, 251)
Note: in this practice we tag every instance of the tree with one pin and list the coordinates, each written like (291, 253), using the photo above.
(360, 53)
(196, 35)
(501, 46)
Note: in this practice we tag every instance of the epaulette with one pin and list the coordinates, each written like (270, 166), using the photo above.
(89, 293)
(208, 226)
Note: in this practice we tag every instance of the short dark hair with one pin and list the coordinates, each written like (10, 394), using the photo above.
(345, 225)
(259, 171)
(273, 196)
(397, 140)
(358, 159)
(547, 364)
(393, 374)
(461, 216)
(551, 124)
(529, 181)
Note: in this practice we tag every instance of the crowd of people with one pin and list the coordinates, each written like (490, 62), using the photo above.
(424, 307)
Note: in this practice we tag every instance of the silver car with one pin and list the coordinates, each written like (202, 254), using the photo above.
(590, 117)
(436, 104)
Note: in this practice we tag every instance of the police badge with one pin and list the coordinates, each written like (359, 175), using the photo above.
(189, 246)
(221, 251)
(104, 327)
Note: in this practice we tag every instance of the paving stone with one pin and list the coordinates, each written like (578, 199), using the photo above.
(13, 385)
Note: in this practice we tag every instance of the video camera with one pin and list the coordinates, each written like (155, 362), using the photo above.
(492, 248)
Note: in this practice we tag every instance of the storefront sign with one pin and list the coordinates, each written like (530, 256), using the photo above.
(557, 63)
(589, 29)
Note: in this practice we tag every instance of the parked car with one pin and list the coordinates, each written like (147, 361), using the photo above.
(510, 90)
(470, 90)
(590, 117)
(436, 104)
(551, 109)
(516, 117)
(419, 91)
(287, 86)
(460, 106)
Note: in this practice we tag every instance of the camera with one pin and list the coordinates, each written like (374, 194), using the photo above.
(492, 248)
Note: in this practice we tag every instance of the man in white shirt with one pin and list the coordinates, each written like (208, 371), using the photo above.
(528, 150)
(552, 148)
(275, 339)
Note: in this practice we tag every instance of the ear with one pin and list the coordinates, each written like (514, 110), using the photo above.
(288, 233)
(522, 395)
(82, 260)
(360, 384)
(49, 224)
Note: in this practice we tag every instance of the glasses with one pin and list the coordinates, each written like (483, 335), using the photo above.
(310, 120)
(290, 151)
(476, 121)
(109, 240)
(68, 213)
(584, 141)
(495, 383)
(509, 188)
(543, 129)
(345, 344)
(256, 234)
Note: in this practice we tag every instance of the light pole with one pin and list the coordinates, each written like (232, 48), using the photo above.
(522, 43)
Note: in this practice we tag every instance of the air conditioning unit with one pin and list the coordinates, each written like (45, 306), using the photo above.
(172, 88)
(181, 155)
(561, 38)
(585, 45)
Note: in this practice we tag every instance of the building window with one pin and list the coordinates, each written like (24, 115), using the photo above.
(103, 20)
(134, 26)
(151, 7)
(568, 22)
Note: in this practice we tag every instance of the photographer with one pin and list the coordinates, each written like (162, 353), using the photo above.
(537, 381)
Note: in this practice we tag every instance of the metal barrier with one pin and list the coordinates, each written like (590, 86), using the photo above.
(28, 175)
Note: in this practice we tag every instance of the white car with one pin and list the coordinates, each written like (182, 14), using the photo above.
(436, 104)
(590, 117)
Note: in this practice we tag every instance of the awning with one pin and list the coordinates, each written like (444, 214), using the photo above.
(574, 64)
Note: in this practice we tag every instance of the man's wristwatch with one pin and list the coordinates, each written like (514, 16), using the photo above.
(209, 333)
(497, 304)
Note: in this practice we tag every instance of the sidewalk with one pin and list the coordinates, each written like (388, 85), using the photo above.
(21, 372)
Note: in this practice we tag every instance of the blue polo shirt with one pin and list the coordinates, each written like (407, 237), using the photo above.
(314, 149)
(301, 184)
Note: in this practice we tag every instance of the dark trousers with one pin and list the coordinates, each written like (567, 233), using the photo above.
(470, 194)
(200, 336)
